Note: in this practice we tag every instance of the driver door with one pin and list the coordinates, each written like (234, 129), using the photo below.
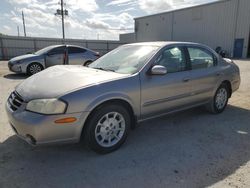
(163, 93)
(56, 56)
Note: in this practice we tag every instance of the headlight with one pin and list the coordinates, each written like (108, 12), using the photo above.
(18, 62)
(47, 106)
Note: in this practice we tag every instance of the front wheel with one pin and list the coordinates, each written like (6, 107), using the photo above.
(220, 100)
(107, 128)
(34, 68)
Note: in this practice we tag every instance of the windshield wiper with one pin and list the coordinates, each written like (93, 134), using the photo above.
(100, 68)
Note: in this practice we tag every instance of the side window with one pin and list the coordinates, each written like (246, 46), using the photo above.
(173, 59)
(58, 50)
(200, 59)
(75, 50)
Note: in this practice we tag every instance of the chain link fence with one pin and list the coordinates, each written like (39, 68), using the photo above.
(12, 46)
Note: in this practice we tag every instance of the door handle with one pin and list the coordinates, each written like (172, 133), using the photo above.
(185, 79)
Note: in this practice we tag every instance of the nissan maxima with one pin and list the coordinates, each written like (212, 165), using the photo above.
(134, 82)
(51, 56)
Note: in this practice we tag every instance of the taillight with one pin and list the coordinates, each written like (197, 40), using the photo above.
(97, 54)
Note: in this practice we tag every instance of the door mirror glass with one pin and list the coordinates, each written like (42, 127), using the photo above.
(158, 70)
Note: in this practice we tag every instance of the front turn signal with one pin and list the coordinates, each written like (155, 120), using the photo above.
(66, 120)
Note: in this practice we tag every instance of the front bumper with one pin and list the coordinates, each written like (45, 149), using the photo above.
(39, 129)
(14, 67)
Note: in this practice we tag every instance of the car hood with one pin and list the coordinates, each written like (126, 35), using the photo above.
(22, 57)
(58, 80)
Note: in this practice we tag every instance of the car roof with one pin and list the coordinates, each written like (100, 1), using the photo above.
(163, 43)
(70, 45)
(67, 45)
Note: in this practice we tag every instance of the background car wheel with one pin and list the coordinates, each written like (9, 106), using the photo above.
(34, 68)
(107, 128)
(220, 100)
(87, 63)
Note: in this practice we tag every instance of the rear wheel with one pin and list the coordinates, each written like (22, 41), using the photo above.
(34, 68)
(107, 128)
(87, 63)
(220, 100)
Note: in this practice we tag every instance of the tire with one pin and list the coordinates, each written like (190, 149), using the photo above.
(87, 63)
(107, 128)
(220, 100)
(34, 68)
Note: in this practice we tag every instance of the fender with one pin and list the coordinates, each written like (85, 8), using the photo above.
(112, 96)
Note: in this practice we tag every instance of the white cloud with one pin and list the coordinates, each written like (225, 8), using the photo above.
(22, 1)
(7, 28)
(96, 24)
(125, 18)
(83, 5)
(156, 6)
(118, 2)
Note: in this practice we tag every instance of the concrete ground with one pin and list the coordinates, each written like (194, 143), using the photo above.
(188, 149)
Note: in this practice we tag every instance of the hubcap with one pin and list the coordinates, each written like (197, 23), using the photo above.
(221, 98)
(110, 129)
(35, 69)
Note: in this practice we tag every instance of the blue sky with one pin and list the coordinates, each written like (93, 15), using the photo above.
(88, 19)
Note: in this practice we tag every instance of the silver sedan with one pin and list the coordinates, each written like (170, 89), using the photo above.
(132, 83)
(50, 56)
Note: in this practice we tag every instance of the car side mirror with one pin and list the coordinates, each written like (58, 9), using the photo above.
(158, 70)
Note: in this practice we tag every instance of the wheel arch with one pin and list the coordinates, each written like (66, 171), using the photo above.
(229, 86)
(118, 101)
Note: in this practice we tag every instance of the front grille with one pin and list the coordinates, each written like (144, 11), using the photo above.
(15, 101)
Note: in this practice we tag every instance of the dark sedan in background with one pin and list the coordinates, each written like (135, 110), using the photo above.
(50, 56)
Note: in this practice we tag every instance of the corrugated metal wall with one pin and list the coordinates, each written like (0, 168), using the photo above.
(215, 24)
(127, 38)
(153, 28)
(207, 24)
(11, 46)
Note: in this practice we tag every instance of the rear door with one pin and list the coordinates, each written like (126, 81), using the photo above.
(164, 93)
(204, 74)
(56, 56)
(76, 56)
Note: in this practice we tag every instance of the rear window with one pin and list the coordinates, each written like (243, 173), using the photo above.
(75, 50)
(200, 58)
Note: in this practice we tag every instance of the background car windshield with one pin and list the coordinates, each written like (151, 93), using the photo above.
(126, 59)
(44, 50)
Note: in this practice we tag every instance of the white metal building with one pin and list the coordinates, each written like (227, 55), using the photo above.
(223, 23)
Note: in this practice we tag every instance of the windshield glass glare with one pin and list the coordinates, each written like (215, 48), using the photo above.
(127, 59)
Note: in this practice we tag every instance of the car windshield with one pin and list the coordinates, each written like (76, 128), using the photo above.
(44, 50)
(127, 59)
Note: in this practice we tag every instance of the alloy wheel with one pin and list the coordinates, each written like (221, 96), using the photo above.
(35, 68)
(221, 98)
(110, 129)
